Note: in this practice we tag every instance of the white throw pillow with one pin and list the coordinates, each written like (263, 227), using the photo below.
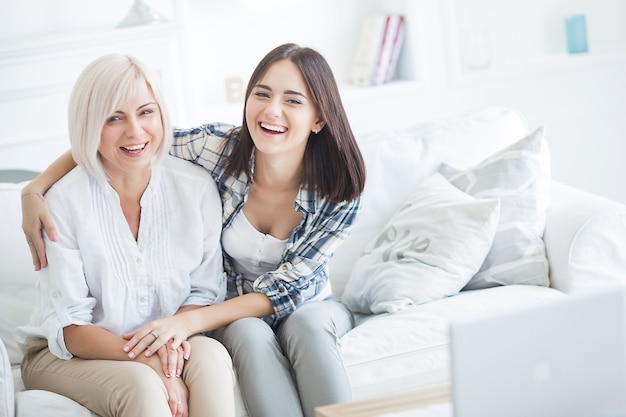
(427, 251)
(518, 176)
(398, 160)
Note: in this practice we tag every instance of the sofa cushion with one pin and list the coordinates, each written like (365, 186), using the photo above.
(428, 250)
(408, 350)
(519, 176)
(45, 403)
(7, 399)
(17, 286)
(397, 161)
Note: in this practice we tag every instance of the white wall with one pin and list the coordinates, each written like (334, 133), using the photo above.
(581, 100)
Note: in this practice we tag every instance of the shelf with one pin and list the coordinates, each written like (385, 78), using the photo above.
(393, 88)
(540, 65)
(24, 48)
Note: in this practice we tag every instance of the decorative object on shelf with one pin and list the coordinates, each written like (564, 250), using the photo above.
(476, 48)
(576, 32)
(140, 14)
(378, 50)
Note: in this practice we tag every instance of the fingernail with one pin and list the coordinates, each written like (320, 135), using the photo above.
(178, 372)
(148, 353)
(186, 357)
(126, 348)
(172, 371)
(131, 355)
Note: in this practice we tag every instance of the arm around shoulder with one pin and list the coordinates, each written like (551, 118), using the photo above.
(35, 213)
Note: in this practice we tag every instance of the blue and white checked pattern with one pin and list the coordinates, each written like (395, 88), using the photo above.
(303, 269)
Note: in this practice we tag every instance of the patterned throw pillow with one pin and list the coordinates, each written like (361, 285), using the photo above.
(427, 251)
(519, 177)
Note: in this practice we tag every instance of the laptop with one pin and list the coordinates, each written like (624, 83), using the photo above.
(562, 358)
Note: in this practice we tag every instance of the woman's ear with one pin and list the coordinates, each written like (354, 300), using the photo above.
(319, 125)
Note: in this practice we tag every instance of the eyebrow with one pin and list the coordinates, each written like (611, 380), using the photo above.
(293, 92)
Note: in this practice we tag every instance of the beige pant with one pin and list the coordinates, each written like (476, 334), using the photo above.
(132, 389)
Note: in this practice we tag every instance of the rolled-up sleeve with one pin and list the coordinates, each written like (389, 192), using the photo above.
(62, 289)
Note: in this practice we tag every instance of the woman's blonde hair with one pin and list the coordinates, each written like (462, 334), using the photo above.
(101, 89)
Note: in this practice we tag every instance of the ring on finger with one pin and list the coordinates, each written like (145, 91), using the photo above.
(155, 336)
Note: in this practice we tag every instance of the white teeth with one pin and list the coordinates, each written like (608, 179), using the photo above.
(134, 147)
(273, 128)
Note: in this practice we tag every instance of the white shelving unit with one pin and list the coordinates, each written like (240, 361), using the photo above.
(527, 39)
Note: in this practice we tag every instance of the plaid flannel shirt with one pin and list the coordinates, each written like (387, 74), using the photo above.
(303, 269)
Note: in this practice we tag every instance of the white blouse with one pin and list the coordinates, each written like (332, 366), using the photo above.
(98, 274)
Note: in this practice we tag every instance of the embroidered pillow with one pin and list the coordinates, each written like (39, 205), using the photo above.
(428, 250)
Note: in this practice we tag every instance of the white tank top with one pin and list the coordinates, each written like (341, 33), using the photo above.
(255, 253)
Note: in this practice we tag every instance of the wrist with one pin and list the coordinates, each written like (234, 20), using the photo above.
(33, 194)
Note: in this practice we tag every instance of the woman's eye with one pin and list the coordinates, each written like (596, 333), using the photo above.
(293, 101)
(261, 94)
(147, 111)
(113, 119)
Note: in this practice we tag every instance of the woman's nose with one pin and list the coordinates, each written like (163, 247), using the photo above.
(133, 127)
(274, 107)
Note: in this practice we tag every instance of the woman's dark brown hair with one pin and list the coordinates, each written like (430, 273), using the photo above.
(333, 164)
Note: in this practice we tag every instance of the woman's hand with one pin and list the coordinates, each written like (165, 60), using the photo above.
(178, 395)
(156, 334)
(35, 217)
(177, 392)
(173, 359)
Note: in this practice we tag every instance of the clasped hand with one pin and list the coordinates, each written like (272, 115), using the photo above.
(157, 334)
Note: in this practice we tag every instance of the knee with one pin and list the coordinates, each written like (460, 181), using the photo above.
(245, 332)
(141, 384)
(207, 350)
(306, 322)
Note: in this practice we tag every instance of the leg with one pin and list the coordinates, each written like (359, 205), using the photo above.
(108, 388)
(209, 377)
(264, 373)
(310, 338)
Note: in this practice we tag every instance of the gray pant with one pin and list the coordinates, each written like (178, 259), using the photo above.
(132, 389)
(295, 369)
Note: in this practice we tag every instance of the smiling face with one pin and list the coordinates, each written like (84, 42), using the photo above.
(132, 134)
(279, 111)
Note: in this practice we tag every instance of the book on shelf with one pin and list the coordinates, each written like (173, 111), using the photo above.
(378, 49)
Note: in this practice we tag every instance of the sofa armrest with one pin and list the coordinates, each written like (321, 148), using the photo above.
(7, 390)
(585, 237)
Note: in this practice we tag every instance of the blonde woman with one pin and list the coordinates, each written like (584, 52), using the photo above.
(139, 240)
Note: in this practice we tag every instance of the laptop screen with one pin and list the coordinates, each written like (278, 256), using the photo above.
(562, 358)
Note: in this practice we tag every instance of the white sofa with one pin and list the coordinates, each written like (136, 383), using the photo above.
(408, 348)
